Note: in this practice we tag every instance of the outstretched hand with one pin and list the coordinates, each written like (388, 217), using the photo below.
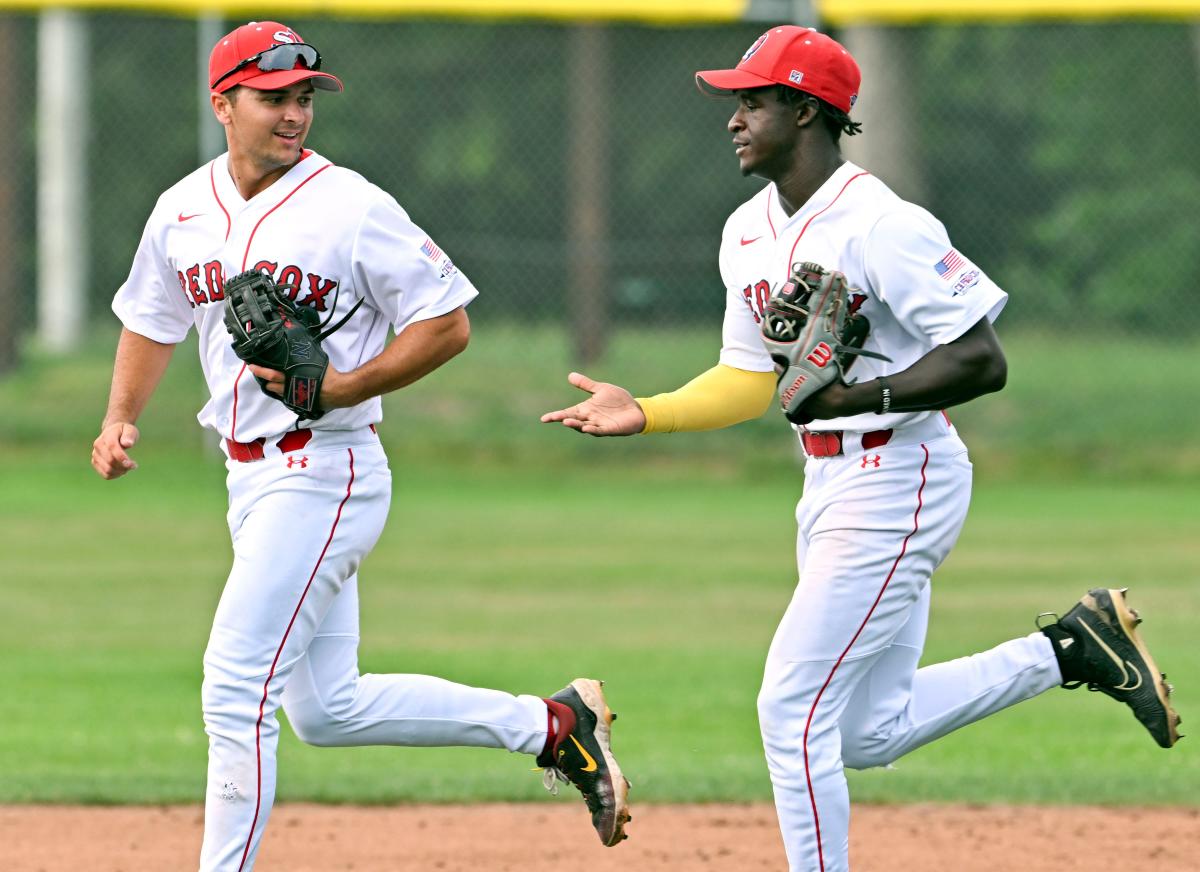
(110, 451)
(610, 411)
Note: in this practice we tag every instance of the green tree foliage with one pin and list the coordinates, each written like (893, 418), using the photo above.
(466, 124)
(1064, 160)
(1061, 157)
(142, 132)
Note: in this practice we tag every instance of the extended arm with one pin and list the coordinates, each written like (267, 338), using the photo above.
(418, 350)
(138, 368)
(720, 397)
(950, 375)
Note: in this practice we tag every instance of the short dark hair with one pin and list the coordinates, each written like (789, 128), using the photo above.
(835, 120)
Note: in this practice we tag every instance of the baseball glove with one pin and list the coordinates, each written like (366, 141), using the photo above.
(811, 335)
(268, 329)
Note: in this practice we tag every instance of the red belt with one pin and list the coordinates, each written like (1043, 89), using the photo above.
(248, 452)
(828, 443)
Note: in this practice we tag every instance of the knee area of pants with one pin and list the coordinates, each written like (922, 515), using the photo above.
(320, 734)
(778, 704)
(864, 753)
(229, 706)
(234, 727)
(313, 725)
(767, 710)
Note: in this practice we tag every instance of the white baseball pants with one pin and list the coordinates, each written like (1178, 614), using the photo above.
(286, 631)
(841, 685)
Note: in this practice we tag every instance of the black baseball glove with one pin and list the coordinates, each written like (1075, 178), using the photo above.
(269, 330)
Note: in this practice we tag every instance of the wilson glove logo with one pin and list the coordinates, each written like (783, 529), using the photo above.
(820, 355)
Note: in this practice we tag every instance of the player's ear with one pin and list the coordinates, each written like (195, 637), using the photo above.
(222, 105)
(807, 110)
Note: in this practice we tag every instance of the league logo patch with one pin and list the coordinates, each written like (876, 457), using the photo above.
(969, 280)
(795, 77)
(853, 100)
(949, 265)
(448, 270)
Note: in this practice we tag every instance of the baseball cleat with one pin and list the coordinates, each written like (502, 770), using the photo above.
(1111, 658)
(581, 754)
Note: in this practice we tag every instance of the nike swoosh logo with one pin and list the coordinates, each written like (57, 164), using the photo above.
(591, 762)
(746, 241)
(183, 217)
(1121, 664)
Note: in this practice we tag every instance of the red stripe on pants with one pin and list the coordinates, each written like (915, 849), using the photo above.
(903, 548)
(278, 653)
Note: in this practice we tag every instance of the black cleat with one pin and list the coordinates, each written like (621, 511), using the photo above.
(1098, 645)
(582, 755)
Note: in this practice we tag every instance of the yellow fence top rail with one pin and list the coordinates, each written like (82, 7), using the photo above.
(829, 12)
(842, 12)
(659, 11)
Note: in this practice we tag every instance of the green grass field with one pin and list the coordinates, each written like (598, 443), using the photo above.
(1075, 406)
(659, 565)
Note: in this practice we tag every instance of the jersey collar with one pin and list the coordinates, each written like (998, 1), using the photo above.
(820, 199)
(232, 199)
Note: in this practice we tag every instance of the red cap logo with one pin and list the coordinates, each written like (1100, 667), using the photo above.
(244, 57)
(798, 57)
(757, 45)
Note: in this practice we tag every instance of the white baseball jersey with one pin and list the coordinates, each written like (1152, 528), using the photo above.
(841, 685)
(914, 287)
(302, 518)
(326, 233)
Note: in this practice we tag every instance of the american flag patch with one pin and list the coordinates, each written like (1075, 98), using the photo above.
(430, 250)
(950, 264)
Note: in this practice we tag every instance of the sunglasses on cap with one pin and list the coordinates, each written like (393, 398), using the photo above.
(278, 57)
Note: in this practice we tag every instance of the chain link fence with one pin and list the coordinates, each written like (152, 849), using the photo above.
(578, 177)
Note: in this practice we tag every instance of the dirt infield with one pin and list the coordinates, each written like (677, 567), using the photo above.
(538, 838)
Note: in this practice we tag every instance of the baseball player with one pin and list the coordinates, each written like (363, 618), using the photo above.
(887, 479)
(308, 498)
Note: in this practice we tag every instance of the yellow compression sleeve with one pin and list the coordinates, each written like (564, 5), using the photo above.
(720, 397)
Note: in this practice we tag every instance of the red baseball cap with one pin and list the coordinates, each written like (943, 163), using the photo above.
(265, 55)
(798, 57)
